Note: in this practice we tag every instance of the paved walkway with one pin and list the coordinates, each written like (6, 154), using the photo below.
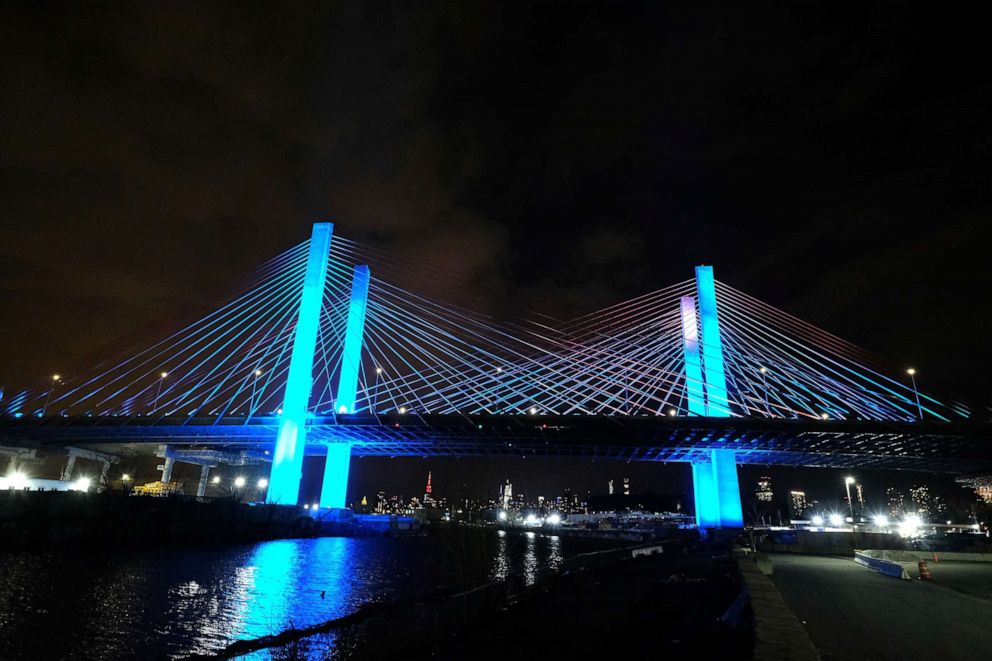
(852, 612)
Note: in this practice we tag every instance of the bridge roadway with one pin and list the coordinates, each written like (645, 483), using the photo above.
(933, 446)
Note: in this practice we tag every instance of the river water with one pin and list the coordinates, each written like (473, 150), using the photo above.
(168, 603)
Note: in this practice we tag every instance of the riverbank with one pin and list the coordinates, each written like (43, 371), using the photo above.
(53, 519)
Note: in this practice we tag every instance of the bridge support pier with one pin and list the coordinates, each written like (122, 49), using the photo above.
(166, 468)
(334, 490)
(201, 487)
(716, 491)
(287, 459)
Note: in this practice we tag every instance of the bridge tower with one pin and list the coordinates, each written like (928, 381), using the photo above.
(716, 489)
(334, 490)
(287, 460)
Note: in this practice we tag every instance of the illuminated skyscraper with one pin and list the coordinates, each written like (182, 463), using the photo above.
(626, 486)
(428, 498)
(764, 491)
(610, 487)
(859, 494)
(506, 493)
(797, 503)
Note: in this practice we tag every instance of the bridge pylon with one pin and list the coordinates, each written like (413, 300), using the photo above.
(287, 459)
(716, 489)
(334, 489)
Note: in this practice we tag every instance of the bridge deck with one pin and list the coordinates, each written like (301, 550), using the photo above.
(945, 447)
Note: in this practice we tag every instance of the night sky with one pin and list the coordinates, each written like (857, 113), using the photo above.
(831, 160)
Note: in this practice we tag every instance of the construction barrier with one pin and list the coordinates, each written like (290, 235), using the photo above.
(887, 567)
(924, 571)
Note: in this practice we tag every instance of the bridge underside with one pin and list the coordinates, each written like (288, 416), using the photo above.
(951, 448)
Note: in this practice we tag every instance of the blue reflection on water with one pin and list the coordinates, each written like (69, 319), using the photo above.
(283, 589)
(129, 603)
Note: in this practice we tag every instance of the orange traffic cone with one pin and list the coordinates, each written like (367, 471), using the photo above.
(935, 558)
(924, 571)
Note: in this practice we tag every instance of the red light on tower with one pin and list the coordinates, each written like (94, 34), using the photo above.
(428, 489)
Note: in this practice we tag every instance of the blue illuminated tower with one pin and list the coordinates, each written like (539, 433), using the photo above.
(351, 358)
(287, 460)
(716, 489)
(693, 365)
(334, 491)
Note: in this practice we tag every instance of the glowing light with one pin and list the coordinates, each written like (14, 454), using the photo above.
(880, 520)
(671, 412)
(239, 481)
(501, 515)
(262, 483)
(351, 356)
(164, 374)
(378, 370)
(817, 520)
(554, 519)
(287, 460)
(910, 525)
(306, 506)
(849, 480)
(56, 377)
(911, 371)
(16, 480)
(533, 410)
(342, 409)
(82, 484)
(216, 479)
(836, 520)
(763, 370)
(693, 363)
(824, 416)
(531, 520)
(402, 409)
(125, 477)
(258, 372)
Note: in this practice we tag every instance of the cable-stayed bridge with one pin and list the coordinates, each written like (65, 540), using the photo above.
(322, 353)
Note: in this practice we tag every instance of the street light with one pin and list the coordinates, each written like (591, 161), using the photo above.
(215, 479)
(848, 481)
(159, 391)
(239, 481)
(55, 379)
(916, 393)
(263, 483)
(764, 387)
(251, 404)
(375, 390)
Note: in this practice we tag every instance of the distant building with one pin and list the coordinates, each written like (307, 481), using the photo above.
(896, 502)
(859, 494)
(797, 503)
(506, 493)
(428, 498)
(764, 491)
(626, 486)
(609, 487)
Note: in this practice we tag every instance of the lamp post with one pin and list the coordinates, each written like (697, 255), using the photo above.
(159, 390)
(764, 387)
(251, 404)
(55, 380)
(916, 393)
(375, 390)
(848, 481)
